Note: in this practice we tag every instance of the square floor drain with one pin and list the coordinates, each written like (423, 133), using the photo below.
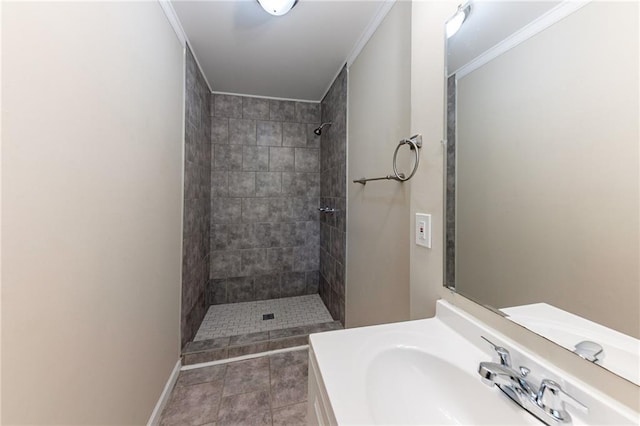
(267, 316)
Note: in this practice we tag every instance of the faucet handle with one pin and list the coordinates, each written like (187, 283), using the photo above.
(591, 351)
(503, 353)
(551, 398)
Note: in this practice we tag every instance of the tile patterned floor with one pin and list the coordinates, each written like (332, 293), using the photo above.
(270, 390)
(232, 319)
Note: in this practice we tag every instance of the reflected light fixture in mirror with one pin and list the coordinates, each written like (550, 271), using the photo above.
(454, 24)
(277, 7)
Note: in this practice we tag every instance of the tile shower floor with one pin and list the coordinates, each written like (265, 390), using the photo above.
(232, 319)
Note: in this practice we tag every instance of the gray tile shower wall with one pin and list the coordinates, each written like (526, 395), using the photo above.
(197, 200)
(333, 185)
(265, 194)
(450, 239)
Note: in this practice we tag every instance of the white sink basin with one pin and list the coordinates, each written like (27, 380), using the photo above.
(425, 372)
(417, 372)
(410, 386)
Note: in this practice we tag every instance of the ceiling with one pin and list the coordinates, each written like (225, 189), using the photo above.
(242, 49)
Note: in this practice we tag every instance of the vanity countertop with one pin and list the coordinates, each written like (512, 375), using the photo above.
(621, 352)
(425, 372)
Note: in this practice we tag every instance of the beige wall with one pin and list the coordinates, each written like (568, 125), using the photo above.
(427, 117)
(92, 101)
(547, 185)
(378, 117)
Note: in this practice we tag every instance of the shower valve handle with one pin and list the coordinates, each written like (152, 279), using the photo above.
(327, 210)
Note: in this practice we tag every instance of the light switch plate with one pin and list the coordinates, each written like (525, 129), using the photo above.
(423, 230)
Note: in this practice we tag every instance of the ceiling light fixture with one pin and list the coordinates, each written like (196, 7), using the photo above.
(277, 7)
(454, 24)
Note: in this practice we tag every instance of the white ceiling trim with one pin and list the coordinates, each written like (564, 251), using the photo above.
(265, 97)
(172, 17)
(174, 21)
(556, 14)
(368, 32)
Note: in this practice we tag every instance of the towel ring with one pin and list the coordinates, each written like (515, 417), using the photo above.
(414, 142)
(413, 145)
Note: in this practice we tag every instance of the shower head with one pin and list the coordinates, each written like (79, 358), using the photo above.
(318, 131)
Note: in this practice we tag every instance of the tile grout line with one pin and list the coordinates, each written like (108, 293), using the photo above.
(224, 380)
(270, 393)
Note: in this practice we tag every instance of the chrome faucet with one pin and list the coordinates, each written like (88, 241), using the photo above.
(504, 375)
(546, 403)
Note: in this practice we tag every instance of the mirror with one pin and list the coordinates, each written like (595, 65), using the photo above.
(542, 195)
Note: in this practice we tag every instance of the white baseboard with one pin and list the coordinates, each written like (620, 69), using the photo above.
(154, 420)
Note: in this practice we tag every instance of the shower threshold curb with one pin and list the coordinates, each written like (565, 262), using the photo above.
(243, 357)
(203, 351)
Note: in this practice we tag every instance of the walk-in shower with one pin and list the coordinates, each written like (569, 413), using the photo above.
(263, 267)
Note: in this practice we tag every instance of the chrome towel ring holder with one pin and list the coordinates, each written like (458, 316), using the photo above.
(414, 146)
(415, 143)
